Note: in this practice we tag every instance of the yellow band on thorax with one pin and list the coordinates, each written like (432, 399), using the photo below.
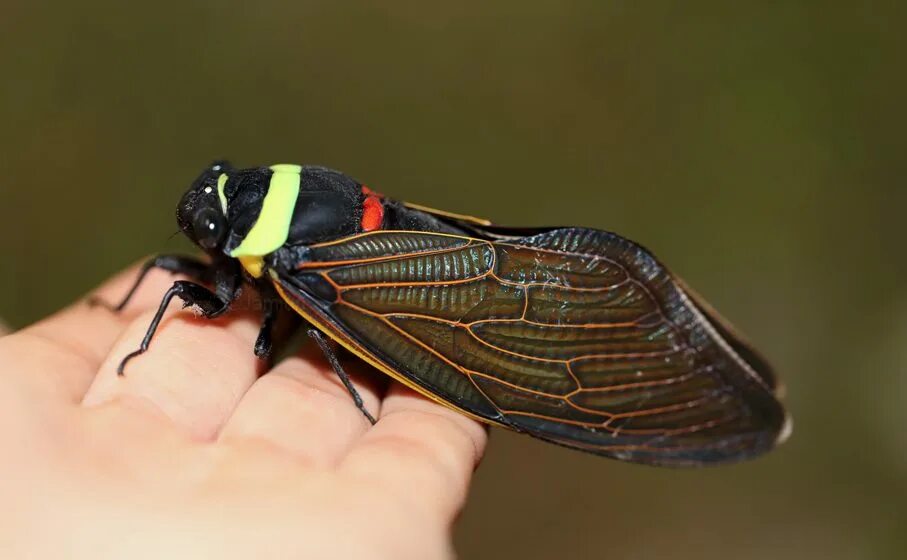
(273, 225)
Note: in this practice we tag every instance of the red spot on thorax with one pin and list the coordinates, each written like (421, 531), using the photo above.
(372, 210)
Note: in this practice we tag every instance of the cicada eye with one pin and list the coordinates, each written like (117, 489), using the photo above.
(208, 228)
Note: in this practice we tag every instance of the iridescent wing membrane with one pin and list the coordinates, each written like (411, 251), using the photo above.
(575, 336)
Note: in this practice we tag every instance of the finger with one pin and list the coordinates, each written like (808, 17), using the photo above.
(195, 370)
(420, 449)
(302, 407)
(61, 353)
(4, 330)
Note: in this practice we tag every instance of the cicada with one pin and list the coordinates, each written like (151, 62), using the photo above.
(573, 335)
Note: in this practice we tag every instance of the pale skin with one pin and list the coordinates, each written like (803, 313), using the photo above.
(195, 454)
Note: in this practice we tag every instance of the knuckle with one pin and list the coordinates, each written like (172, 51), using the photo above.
(308, 390)
(244, 447)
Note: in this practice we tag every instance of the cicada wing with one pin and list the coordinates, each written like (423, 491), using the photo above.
(576, 336)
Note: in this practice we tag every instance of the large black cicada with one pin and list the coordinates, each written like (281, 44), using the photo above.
(575, 336)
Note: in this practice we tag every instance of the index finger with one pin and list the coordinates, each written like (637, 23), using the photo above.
(62, 353)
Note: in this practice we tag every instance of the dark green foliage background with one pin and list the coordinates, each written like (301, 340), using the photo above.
(757, 147)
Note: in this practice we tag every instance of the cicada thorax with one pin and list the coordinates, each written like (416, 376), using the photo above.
(288, 205)
(271, 208)
(291, 205)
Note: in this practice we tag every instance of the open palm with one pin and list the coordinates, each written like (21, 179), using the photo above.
(194, 454)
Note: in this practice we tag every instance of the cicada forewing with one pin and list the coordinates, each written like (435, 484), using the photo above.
(576, 336)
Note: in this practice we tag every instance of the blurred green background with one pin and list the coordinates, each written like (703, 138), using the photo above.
(757, 147)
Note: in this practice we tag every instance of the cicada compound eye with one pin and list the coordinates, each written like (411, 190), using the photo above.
(208, 228)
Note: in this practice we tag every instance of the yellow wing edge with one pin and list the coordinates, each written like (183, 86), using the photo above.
(446, 214)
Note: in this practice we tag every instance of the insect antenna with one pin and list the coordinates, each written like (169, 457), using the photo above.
(172, 235)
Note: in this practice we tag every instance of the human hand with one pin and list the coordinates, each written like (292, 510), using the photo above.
(192, 455)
